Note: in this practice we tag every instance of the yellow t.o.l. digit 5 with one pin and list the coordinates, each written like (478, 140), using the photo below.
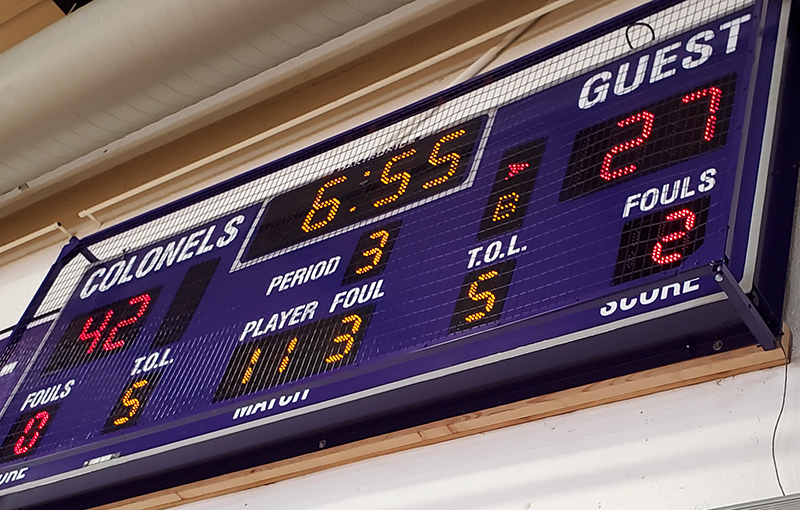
(480, 296)
(132, 403)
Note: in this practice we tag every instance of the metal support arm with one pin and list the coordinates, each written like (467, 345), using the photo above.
(744, 307)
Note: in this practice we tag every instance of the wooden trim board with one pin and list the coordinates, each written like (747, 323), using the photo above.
(669, 377)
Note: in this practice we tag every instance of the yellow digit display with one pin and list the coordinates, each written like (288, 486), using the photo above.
(133, 403)
(347, 339)
(452, 157)
(398, 174)
(487, 295)
(274, 360)
(506, 205)
(511, 192)
(376, 253)
(319, 204)
(482, 296)
(387, 178)
(249, 372)
(289, 350)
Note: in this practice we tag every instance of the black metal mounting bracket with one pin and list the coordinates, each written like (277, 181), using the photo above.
(76, 247)
(744, 307)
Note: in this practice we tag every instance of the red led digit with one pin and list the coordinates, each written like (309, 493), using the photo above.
(713, 106)
(21, 447)
(515, 168)
(689, 222)
(95, 335)
(646, 118)
(143, 301)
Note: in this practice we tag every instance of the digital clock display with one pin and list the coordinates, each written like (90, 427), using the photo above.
(411, 173)
(500, 232)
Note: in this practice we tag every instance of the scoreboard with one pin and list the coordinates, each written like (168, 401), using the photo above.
(599, 205)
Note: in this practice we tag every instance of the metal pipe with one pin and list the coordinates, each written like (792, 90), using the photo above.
(35, 235)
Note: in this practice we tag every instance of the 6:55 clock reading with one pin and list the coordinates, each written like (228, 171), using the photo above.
(416, 171)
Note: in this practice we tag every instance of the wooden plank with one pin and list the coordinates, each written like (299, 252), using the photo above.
(18, 26)
(665, 378)
(11, 8)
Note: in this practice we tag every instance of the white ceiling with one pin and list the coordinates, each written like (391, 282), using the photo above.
(114, 67)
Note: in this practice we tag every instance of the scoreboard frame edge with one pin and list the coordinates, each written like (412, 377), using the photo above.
(717, 299)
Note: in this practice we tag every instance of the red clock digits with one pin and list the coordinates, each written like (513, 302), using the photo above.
(689, 222)
(713, 106)
(24, 443)
(95, 335)
(646, 118)
(143, 301)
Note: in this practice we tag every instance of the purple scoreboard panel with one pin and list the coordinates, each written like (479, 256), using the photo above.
(616, 201)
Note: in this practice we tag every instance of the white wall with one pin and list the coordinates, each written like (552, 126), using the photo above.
(692, 448)
(19, 281)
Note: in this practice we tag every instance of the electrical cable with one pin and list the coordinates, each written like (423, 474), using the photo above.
(780, 415)
(638, 24)
(490, 56)
(476, 68)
